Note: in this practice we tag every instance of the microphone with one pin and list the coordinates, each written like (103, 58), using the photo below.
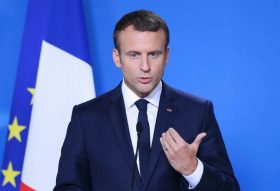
(139, 129)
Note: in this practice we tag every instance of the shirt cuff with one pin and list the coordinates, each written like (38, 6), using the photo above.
(194, 178)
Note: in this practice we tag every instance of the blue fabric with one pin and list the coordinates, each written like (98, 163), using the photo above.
(144, 142)
(97, 153)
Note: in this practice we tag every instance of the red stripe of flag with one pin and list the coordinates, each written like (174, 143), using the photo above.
(24, 187)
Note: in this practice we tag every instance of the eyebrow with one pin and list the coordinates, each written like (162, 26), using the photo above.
(133, 52)
(156, 51)
(137, 52)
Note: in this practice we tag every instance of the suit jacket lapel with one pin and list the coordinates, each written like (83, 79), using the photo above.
(117, 115)
(165, 117)
(118, 119)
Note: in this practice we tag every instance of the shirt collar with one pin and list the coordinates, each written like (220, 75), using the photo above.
(130, 97)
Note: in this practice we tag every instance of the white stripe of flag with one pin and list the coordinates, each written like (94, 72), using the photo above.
(63, 81)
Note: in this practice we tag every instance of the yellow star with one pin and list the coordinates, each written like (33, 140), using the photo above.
(10, 175)
(32, 91)
(15, 130)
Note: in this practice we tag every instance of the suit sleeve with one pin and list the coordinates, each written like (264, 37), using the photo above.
(218, 173)
(73, 165)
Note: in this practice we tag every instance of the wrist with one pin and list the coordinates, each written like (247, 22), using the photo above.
(190, 168)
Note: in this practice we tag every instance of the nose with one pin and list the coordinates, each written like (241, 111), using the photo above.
(145, 65)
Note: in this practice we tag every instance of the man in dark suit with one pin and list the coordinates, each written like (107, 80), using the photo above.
(144, 135)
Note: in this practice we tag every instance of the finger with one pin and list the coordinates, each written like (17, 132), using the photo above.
(198, 140)
(170, 141)
(164, 146)
(165, 143)
(175, 135)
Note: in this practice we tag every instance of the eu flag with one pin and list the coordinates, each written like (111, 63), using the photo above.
(54, 73)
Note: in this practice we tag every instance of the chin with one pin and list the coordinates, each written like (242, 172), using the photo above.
(145, 92)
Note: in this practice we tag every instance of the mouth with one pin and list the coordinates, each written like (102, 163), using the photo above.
(144, 80)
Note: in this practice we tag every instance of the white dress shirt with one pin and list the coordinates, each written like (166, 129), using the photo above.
(152, 109)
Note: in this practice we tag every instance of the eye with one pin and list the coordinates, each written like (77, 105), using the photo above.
(133, 55)
(154, 54)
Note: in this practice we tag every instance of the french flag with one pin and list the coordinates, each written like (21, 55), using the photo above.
(54, 74)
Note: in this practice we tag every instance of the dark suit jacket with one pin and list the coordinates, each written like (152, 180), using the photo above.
(97, 153)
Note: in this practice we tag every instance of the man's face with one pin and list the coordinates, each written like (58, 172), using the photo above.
(142, 58)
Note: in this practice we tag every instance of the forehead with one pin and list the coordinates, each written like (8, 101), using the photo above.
(130, 38)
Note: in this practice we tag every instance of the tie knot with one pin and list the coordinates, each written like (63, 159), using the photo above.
(141, 104)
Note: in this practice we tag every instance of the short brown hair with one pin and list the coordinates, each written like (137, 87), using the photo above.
(142, 20)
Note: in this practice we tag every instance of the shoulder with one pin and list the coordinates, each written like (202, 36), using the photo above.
(182, 98)
(99, 103)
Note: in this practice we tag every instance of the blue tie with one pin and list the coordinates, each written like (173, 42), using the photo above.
(144, 139)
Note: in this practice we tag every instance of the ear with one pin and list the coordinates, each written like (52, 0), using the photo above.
(166, 55)
(116, 58)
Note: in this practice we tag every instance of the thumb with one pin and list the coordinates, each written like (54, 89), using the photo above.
(198, 140)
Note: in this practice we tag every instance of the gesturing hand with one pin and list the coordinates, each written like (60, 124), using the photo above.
(180, 154)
